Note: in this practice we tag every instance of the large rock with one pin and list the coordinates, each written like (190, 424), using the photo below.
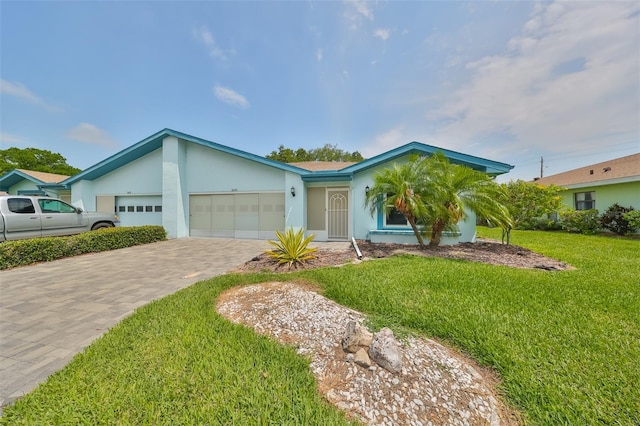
(355, 337)
(362, 359)
(385, 351)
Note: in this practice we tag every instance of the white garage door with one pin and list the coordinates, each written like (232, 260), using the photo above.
(139, 210)
(236, 215)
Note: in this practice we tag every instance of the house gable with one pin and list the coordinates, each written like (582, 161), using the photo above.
(154, 142)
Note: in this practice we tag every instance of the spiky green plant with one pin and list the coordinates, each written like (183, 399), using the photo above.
(292, 247)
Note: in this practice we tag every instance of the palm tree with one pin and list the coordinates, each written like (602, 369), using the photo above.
(431, 193)
(396, 188)
(452, 189)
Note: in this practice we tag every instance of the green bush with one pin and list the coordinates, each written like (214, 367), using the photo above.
(613, 219)
(26, 252)
(580, 221)
(292, 248)
(544, 224)
(633, 217)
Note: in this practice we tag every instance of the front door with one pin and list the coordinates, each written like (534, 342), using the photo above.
(338, 213)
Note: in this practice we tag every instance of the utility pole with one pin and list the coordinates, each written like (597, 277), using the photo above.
(541, 167)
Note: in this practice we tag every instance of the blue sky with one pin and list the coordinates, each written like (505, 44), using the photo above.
(508, 81)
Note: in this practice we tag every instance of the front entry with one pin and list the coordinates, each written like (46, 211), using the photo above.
(338, 213)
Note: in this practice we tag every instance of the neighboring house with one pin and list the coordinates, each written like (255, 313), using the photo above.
(600, 185)
(30, 182)
(195, 187)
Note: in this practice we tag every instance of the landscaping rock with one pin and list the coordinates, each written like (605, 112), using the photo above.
(385, 351)
(355, 337)
(362, 358)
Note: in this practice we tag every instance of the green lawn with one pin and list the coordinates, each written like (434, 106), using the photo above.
(566, 344)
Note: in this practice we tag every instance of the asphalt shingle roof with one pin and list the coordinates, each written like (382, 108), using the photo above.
(623, 167)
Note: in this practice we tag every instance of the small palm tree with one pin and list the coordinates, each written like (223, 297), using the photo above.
(452, 189)
(433, 194)
(398, 188)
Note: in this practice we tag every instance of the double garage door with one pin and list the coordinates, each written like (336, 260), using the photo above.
(245, 215)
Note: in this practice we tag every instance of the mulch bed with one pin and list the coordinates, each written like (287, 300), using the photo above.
(485, 251)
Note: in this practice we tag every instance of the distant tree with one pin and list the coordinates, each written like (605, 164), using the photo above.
(529, 202)
(39, 160)
(326, 153)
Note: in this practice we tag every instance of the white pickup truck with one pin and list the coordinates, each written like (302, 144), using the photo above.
(30, 217)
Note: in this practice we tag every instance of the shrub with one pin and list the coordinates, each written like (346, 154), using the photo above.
(292, 248)
(529, 203)
(581, 221)
(613, 219)
(26, 252)
(544, 224)
(633, 217)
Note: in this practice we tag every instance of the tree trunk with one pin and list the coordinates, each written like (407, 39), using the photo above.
(416, 231)
(436, 233)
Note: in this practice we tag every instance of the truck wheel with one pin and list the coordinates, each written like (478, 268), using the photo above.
(101, 225)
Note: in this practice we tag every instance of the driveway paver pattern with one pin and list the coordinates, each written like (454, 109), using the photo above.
(51, 311)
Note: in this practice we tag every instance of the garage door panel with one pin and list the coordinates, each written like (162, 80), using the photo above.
(200, 215)
(247, 213)
(139, 210)
(237, 215)
(223, 221)
(271, 212)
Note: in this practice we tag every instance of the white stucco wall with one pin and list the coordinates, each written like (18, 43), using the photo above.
(142, 177)
(210, 170)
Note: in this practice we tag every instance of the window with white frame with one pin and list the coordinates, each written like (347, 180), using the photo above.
(585, 200)
(395, 218)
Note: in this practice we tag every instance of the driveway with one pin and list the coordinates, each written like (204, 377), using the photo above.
(51, 311)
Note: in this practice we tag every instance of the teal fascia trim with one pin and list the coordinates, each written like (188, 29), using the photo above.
(327, 177)
(154, 142)
(31, 192)
(16, 176)
(403, 231)
(490, 167)
(53, 186)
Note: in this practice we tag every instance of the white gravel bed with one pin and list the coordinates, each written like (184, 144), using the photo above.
(436, 386)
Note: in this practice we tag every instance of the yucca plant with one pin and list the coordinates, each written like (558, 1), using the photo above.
(292, 247)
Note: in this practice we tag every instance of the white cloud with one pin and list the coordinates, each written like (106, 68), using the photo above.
(92, 135)
(6, 138)
(319, 55)
(205, 36)
(356, 11)
(382, 33)
(530, 97)
(21, 91)
(231, 97)
(384, 142)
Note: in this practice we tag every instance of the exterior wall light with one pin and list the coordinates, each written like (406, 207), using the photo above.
(366, 190)
(293, 191)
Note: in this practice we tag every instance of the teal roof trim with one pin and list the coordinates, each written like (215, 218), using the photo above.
(154, 142)
(493, 168)
(325, 176)
(14, 177)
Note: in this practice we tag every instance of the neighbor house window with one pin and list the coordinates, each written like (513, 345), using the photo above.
(585, 200)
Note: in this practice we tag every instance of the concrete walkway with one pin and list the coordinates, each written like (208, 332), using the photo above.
(51, 311)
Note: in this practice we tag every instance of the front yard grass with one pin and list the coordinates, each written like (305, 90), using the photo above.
(566, 344)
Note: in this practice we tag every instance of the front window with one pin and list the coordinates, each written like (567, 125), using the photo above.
(585, 200)
(395, 218)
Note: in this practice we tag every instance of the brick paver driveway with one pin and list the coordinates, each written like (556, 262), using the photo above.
(51, 311)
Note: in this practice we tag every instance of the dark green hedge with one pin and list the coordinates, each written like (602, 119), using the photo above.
(26, 252)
